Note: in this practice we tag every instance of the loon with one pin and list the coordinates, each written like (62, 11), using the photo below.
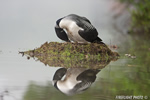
(77, 29)
(74, 80)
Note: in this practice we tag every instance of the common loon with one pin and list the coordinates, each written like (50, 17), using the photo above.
(74, 80)
(77, 29)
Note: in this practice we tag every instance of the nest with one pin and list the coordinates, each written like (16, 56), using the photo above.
(90, 55)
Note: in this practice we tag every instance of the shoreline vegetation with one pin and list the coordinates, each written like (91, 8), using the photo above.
(56, 54)
(140, 17)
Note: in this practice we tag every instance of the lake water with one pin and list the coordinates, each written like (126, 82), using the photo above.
(25, 28)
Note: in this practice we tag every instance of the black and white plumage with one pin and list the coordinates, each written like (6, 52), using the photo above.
(74, 80)
(76, 28)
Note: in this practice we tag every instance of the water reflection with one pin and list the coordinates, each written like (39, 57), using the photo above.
(126, 76)
(75, 74)
(74, 80)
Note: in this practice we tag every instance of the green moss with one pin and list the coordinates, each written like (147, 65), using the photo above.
(73, 54)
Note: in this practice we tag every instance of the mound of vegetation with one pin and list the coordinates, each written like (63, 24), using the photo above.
(73, 54)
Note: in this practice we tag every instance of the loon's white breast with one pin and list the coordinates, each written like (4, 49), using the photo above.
(72, 30)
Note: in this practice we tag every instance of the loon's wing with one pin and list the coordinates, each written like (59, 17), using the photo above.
(89, 33)
(87, 78)
(75, 17)
(82, 86)
(84, 18)
(88, 75)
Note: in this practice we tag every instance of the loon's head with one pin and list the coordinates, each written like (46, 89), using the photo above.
(58, 21)
(58, 76)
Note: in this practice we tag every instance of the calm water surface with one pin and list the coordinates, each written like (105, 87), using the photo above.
(31, 80)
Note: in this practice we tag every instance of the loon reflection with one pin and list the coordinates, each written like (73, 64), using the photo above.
(74, 80)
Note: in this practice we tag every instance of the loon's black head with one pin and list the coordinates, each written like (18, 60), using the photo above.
(58, 21)
(58, 76)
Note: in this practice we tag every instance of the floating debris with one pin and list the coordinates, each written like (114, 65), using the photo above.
(28, 57)
(114, 46)
(21, 53)
(130, 56)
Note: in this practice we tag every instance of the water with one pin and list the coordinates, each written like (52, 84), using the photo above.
(28, 24)
(126, 78)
